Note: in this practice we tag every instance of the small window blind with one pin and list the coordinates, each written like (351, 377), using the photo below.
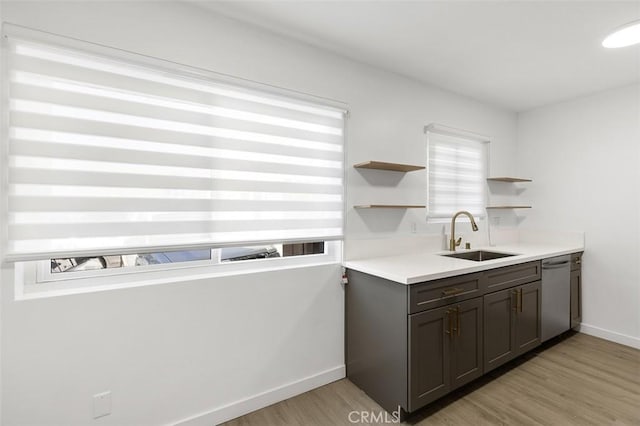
(457, 173)
(110, 155)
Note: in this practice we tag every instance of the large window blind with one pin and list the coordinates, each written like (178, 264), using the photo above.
(111, 155)
(457, 172)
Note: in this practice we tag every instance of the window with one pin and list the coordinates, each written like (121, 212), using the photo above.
(457, 171)
(75, 264)
(37, 279)
(112, 154)
(70, 265)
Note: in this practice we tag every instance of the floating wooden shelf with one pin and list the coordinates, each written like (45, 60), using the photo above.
(389, 206)
(508, 179)
(395, 167)
(507, 207)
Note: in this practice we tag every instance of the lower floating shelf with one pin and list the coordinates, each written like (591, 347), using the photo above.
(389, 206)
(507, 207)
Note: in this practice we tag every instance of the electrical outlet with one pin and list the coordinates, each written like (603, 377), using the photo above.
(101, 404)
(414, 227)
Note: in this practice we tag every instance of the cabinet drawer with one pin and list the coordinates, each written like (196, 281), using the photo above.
(509, 276)
(576, 261)
(432, 294)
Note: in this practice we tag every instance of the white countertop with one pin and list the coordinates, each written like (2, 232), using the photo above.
(417, 267)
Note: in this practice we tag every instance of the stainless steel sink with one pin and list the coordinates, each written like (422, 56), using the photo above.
(478, 255)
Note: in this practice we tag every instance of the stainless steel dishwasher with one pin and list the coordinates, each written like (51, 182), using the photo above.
(556, 282)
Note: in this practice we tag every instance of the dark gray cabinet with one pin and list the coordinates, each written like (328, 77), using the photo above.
(576, 298)
(408, 345)
(511, 276)
(377, 338)
(466, 342)
(576, 290)
(527, 317)
(444, 291)
(511, 323)
(429, 362)
(499, 334)
(445, 350)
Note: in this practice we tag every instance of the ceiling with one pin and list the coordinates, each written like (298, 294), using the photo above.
(515, 54)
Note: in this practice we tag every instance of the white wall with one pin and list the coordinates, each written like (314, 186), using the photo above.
(584, 158)
(2, 284)
(172, 351)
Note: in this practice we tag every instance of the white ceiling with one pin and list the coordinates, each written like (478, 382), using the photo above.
(515, 54)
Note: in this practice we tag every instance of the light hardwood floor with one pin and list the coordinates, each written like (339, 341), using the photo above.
(574, 380)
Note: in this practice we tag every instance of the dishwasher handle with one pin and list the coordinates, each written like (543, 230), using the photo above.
(555, 265)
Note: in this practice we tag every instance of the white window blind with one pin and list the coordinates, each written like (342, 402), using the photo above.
(457, 173)
(109, 155)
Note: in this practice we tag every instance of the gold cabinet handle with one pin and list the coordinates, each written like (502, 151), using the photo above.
(450, 330)
(520, 299)
(452, 291)
(454, 330)
(458, 325)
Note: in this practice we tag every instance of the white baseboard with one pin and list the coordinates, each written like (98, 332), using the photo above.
(263, 399)
(623, 339)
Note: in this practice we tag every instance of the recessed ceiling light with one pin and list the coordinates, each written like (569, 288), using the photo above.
(624, 36)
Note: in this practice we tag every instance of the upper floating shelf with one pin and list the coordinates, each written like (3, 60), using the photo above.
(508, 207)
(508, 179)
(381, 165)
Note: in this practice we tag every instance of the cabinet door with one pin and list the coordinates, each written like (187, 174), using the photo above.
(466, 343)
(429, 364)
(576, 298)
(528, 324)
(499, 328)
